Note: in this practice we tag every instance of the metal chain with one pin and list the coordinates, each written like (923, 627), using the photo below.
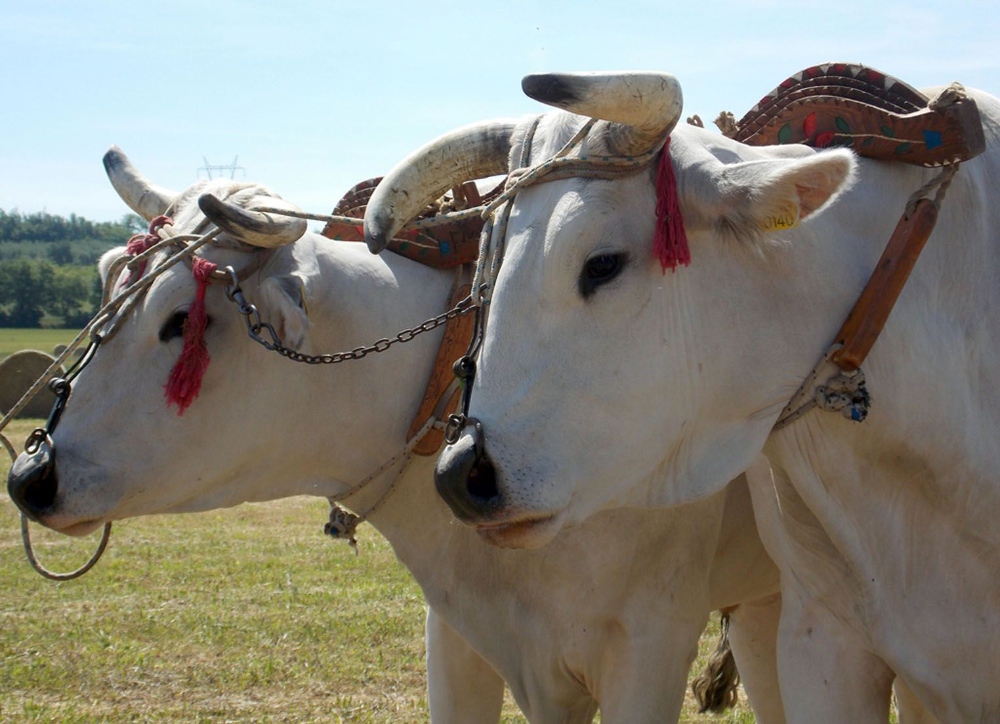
(255, 328)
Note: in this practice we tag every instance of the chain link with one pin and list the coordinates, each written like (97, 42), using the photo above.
(256, 329)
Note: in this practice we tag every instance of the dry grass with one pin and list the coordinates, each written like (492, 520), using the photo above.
(239, 615)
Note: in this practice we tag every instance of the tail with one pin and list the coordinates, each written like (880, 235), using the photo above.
(715, 688)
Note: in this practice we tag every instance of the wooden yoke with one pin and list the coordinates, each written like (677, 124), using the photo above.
(442, 246)
(876, 115)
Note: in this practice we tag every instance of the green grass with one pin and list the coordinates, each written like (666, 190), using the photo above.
(241, 615)
(44, 340)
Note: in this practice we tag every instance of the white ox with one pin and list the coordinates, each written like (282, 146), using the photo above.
(603, 381)
(609, 615)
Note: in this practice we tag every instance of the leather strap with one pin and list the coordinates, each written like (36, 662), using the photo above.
(870, 312)
(442, 382)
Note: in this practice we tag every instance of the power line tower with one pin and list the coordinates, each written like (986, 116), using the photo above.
(210, 169)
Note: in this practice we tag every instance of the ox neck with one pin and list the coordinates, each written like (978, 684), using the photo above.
(413, 515)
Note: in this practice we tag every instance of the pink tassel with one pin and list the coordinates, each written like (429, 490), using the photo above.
(670, 242)
(184, 382)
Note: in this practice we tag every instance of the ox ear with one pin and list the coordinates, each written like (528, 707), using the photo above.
(284, 297)
(107, 259)
(776, 195)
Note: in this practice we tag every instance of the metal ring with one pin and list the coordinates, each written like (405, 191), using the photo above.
(52, 575)
(30, 553)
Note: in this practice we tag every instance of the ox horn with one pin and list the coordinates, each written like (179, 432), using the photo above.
(468, 153)
(143, 197)
(641, 108)
(266, 229)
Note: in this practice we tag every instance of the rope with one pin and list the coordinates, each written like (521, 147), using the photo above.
(559, 166)
(69, 576)
(441, 219)
(29, 550)
(342, 523)
(941, 182)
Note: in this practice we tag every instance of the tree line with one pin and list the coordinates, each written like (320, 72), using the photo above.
(48, 272)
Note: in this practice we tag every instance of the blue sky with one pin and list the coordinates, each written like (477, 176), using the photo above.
(315, 96)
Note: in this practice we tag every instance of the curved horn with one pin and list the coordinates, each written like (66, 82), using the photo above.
(257, 228)
(468, 153)
(642, 108)
(144, 198)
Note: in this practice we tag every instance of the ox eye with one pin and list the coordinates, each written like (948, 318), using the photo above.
(599, 270)
(174, 326)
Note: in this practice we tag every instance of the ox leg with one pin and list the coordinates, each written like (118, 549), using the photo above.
(909, 709)
(753, 636)
(461, 687)
(645, 679)
(827, 676)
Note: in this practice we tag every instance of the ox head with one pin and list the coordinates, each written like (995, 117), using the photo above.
(120, 450)
(601, 380)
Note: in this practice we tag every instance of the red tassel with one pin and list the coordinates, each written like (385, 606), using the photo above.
(143, 242)
(670, 242)
(184, 382)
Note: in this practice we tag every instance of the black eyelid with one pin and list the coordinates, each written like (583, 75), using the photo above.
(174, 326)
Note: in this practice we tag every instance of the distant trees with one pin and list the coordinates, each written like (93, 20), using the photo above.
(42, 226)
(48, 274)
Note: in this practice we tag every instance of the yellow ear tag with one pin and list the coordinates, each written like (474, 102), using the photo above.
(783, 217)
(302, 296)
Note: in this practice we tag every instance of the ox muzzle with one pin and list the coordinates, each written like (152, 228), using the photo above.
(32, 483)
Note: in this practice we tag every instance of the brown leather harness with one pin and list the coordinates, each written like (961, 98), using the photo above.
(443, 246)
(879, 117)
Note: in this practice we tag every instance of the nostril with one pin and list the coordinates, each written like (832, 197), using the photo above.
(40, 492)
(482, 480)
(466, 479)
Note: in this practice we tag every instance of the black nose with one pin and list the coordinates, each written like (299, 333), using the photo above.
(466, 478)
(32, 482)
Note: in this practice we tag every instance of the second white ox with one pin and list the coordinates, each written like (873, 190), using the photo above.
(604, 381)
(607, 616)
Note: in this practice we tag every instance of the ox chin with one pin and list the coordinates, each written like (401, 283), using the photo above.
(71, 527)
(523, 533)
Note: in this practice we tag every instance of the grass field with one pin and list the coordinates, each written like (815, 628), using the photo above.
(44, 340)
(239, 615)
